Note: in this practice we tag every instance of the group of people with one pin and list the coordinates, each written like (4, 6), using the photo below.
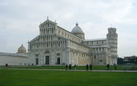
(88, 67)
(70, 67)
(108, 66)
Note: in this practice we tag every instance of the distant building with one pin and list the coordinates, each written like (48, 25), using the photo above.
(19, 58)
(128, 60)
(57, 46)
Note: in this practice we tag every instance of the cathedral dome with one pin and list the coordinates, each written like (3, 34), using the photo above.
(77, 29)
(22, 49)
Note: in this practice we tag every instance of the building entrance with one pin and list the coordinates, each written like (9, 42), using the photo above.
(47, 60)
(37, 61)
(58, 60)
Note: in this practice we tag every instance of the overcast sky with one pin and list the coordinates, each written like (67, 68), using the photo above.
(20, 19)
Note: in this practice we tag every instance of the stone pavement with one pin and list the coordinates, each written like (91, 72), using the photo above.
(106, 70)
(73, 70)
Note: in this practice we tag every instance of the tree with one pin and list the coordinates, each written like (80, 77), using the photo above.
(120, 60)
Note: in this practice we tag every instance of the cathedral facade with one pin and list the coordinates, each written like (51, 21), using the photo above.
(57, 46)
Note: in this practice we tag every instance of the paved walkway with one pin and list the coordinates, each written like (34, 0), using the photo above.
(72, 70)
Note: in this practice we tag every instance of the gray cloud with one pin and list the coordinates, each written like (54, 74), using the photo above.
(20, 20)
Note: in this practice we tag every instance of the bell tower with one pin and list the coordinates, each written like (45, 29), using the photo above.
(112, 37)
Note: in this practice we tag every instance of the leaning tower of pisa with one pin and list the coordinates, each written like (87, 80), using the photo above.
(112, 42)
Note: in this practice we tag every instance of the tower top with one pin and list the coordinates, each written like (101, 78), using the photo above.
(111, 30)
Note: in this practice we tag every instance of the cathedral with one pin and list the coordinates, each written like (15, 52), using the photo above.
(56, 46)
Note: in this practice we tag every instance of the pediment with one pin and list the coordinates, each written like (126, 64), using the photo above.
(48, 23)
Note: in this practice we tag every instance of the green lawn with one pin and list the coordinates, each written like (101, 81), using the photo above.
(65, 78)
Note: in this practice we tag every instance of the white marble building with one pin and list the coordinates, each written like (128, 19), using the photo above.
(19, 58)
(57, 46)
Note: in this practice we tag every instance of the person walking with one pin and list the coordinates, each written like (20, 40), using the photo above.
(66, 67)
(108, 66)
(74, 67)
(69, 66)
(6, 65)
(87, 67)
(115, 66)
(90, 67)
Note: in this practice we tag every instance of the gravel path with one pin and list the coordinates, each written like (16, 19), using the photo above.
(73, 70)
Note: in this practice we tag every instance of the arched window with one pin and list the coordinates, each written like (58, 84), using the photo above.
(94, 56)
(37, 55)
(58, 54)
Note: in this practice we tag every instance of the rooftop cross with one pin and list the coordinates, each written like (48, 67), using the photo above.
(47, 18)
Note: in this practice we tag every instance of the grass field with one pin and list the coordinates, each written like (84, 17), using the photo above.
(65, 78)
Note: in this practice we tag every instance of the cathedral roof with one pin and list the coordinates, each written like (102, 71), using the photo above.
(22, 49)
(48, 23)
(13, 54)
(77, 29)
